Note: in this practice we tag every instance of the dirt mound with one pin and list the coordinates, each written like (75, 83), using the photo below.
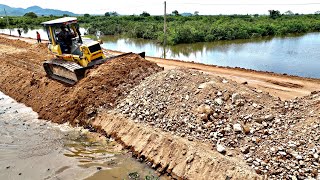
(234, 118)
(52, 100)
(106, 84)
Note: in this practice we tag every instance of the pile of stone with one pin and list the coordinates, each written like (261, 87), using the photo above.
(234, 118)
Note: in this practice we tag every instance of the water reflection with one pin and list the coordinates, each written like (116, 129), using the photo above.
(295, 55)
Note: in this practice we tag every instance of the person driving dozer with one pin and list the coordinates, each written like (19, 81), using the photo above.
(65, 40)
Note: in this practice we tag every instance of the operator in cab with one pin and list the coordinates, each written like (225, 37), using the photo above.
(65, 39)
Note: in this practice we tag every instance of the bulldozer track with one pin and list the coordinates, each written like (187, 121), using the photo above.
(63, 71)
(68, 65)
(69, 72)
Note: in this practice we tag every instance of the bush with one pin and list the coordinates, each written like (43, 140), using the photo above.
(30, 15)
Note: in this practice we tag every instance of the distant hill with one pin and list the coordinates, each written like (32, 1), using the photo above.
(11, 11)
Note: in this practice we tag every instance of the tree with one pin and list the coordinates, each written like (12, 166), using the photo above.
(196, 13)
(114, 13)
(86, 15)
(289, 13)
(145, 14)
(107, 14)
(65, 15)
(317, 12)
(175, 12)
(274, 14)
(30, 15)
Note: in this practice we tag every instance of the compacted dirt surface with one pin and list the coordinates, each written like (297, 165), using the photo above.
(189, 122)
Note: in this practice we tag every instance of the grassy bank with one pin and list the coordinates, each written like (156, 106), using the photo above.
(189, 29)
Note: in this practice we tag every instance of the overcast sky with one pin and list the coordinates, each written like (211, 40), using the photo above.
(155, 7)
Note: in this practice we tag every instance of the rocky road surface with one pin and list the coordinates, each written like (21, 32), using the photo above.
(280, 139)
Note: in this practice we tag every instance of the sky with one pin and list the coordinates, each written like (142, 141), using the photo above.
(156, 7)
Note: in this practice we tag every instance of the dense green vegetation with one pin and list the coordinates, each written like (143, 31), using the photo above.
(29, 20)
(188, 29)
(202, 28)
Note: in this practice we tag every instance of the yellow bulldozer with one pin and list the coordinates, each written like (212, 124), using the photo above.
(72, 56)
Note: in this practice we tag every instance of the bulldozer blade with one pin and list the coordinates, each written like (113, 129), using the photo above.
(69, 72)
(101, 61)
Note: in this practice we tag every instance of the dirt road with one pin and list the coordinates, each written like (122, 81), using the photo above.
(283, 86)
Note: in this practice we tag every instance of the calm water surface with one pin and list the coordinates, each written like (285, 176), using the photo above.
(295, 55)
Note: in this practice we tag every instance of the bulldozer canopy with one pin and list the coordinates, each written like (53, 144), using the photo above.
(61, 21)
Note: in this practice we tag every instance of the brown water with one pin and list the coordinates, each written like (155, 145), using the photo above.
(37, 149)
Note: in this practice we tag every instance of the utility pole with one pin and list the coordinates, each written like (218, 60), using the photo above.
(165, 29)
(5, 12)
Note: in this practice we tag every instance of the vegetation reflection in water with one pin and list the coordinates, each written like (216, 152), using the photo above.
(294, 55)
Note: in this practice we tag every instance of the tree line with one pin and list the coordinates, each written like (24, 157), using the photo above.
(196, 28)
(190, 29)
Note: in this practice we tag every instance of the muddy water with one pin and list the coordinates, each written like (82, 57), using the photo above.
(38, 149)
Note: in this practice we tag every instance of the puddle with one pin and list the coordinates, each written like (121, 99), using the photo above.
(38, 149)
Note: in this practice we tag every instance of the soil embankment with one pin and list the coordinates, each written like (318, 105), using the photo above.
(190, 124)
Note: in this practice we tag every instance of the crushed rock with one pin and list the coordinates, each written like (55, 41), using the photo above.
(232, 116)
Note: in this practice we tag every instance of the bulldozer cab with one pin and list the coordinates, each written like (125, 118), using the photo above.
(64, 35)
(72, 57)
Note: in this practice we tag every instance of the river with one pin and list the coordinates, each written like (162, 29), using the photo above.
(37, 149)
(294, 55)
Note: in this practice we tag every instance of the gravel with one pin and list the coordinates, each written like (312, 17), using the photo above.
(276, 138)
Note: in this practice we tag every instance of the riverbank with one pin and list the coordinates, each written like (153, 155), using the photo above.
(190, 124)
